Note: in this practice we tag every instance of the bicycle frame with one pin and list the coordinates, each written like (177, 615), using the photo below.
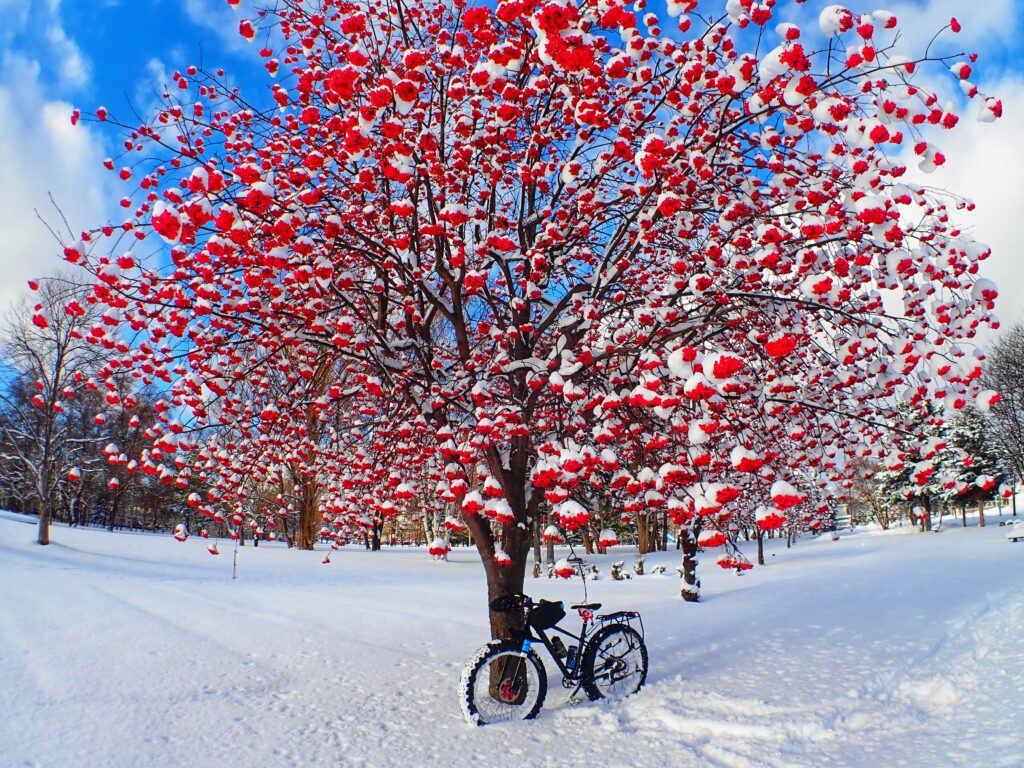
(533, 634)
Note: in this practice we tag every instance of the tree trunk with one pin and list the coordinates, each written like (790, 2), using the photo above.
(503, 580)
(691, 589)
(588, 541)
(309, 525)
(515, 539)
(643, 544)
(963, 515)
(378, 526)
(882, 518)
(598, 524)
(760, 547)
(981, 513)
(536, 539)
(664, 531)
(44, 522)
(113, 514)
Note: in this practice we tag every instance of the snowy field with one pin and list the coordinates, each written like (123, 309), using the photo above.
(897, 649)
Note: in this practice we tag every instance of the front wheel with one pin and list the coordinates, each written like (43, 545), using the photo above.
(614, 662)
(502, 683)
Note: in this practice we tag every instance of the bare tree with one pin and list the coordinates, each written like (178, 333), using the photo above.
(44, 345)
(1005, 374)
(866, 496)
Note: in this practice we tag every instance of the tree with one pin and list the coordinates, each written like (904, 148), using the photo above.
(971, 468)
(299, 484)
(913, 471)
(43, 344)
(1004, 373)
(948, 462)
(539, 240)
(66, 441)
(866, 495)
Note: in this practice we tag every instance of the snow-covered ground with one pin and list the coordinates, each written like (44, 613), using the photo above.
(897, 649)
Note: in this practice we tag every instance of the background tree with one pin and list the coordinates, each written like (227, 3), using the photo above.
(43, 344)
(515, 229)
(971, 468)
(69, 445)
(867, 500)
(1004, 373)
(952, 463)
(912, 477)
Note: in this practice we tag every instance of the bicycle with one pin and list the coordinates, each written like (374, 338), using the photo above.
(608, 659)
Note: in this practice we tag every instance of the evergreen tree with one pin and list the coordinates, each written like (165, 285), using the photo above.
(911, 475)
(971, 468)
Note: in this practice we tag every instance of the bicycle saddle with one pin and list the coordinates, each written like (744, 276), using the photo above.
(585, 606)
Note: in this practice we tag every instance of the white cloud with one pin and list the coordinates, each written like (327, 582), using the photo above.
(15, 16)
(983, 23)
(221, 19)
(72, 66)
(40, 26)
(986, 164)
(985, 161)
(154, 81)
(988, 26)
(41, 153)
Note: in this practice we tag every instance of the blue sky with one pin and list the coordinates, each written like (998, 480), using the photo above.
(56, 54)
(104, 49)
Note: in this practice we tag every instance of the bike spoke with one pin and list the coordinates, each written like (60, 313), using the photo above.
(506, 688)
(619, 665)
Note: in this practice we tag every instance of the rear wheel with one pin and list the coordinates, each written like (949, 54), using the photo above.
(614, 662)
(502, 683)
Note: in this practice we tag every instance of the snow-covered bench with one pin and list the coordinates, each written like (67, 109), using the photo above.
(1015, 530)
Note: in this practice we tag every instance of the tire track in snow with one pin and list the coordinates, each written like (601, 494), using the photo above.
(319, 628)
(939, 707)
(731, 732)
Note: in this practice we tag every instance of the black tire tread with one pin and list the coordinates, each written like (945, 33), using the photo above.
(480, 659)
(589, 657)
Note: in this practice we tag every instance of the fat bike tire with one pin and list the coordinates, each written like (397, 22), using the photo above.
(614, 663)
(502, 683)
